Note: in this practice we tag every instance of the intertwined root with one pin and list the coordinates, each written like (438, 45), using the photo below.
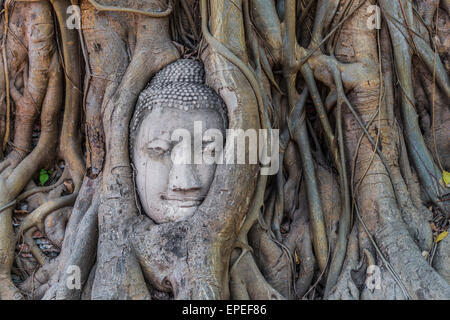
(37, 92)
(357, 178)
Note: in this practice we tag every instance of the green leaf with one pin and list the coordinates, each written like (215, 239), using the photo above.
(43, 176)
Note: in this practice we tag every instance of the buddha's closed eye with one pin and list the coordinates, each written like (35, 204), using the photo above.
(158, 147)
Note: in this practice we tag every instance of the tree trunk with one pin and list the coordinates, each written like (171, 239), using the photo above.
(356, 93)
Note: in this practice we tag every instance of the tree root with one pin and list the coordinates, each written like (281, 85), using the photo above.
(37, 217)
(247, 282)
(83, 253)
(34, 249)
(286, 236)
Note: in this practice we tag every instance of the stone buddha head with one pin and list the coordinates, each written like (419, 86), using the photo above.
(176, 99)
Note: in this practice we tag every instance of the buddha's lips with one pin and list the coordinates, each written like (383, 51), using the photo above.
(182, 202)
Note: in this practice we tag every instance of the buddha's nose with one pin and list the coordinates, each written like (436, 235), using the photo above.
(182, 176)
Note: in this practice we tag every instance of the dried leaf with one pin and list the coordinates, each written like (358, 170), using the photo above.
(446, 178)
(297, 259)
(21, 212)
(69, 185)
(441, 236)
(433, 227)
(37, 235)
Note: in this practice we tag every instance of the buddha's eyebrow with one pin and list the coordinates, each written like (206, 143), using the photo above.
(158, 139)
(164, 136)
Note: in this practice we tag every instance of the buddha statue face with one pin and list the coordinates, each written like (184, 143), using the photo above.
(169, 184)
(171, 190)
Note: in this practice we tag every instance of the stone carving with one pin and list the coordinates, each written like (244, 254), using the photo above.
(176, 98)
